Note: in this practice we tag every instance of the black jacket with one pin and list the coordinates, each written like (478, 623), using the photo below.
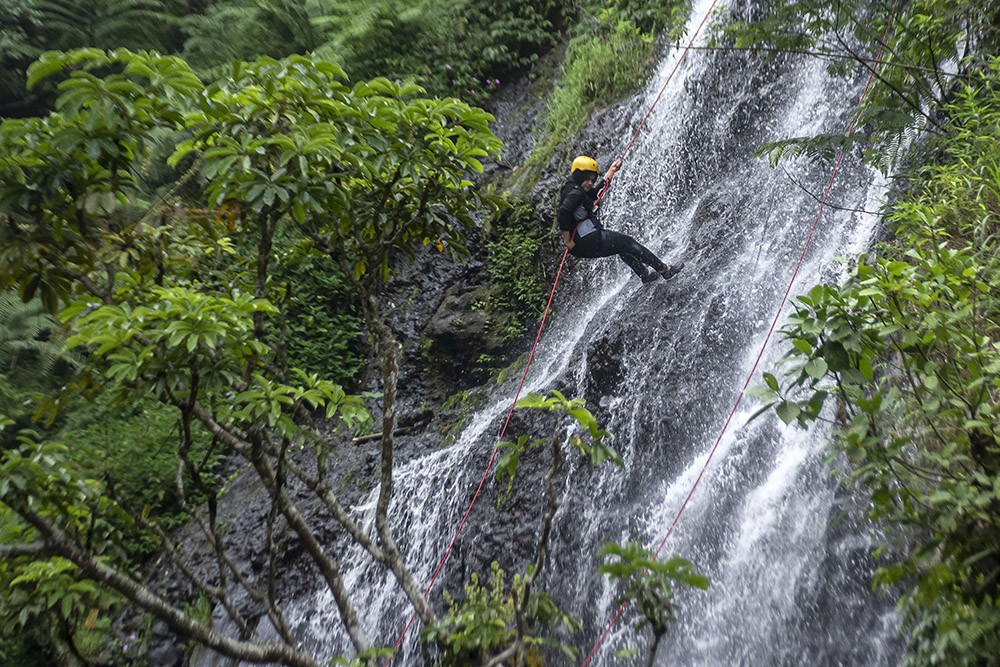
(576, 205)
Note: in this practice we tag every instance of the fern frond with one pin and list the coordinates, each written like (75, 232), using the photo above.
(824, 147)
(26, 331)
(136, 24)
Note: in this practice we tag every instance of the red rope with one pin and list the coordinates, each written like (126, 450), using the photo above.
(492, 458)
(701, 25)
(784, 300)
(517, 394)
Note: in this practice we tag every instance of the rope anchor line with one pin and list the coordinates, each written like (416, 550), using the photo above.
(767, 338)
(531, 357)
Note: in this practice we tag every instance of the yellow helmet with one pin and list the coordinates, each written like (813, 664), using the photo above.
(584, 163)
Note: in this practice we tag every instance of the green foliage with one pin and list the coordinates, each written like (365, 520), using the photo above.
(597, 449)
(609, 57)
(77, 208)
(491, 622)
(459, 49)
(483, 624)
(17, 50)
(42, 590)
(180, 324)
(22, 651)
(323, 319)
(105, 24)
(650, 17)
(459, 407)
(909, 348)
(451, 48)
(166, 311)
(648, 582)
(510, 461)
(135, 453)
(32, 359)
(46, 599)
(365, 658)
(925, 35)
(330, 152)
(603, 64)
(228, 30)
(514, 260)
(24, 335)
(513, 257)
(478, 626)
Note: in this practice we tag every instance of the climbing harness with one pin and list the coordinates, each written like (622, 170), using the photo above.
(767, 338)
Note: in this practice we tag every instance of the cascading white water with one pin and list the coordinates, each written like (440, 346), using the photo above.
(787, 588)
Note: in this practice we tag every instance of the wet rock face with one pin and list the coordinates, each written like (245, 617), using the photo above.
(605, 371)
(167, 650)
(457, 334)
(431, 306)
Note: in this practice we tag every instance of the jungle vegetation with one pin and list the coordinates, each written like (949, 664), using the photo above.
(904, 355)
(200, 204)
(201, 200)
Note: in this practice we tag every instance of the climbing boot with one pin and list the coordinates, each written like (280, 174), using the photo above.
(671, 271)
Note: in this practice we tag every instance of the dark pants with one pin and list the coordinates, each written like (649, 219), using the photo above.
(605, 243)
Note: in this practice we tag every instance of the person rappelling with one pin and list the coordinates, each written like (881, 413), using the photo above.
(585, 237)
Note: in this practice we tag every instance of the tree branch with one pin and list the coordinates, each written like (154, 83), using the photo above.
(326, 564)
(181, 623)
(826, 203)
(900, 94)
(33, 549)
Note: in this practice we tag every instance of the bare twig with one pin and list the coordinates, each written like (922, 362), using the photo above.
(826, 203)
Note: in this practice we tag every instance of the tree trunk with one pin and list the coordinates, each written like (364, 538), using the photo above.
(652, 649)
(387, 348)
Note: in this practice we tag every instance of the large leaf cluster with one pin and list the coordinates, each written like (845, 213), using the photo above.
(67, 181)
(928, 42)
(909, 348)
(150, 280)
(482, 623)
(48, 598)
(369, 169)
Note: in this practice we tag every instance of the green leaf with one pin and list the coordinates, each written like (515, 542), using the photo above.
(788, 411)
(865, 366)
(46, 66)
(72, 310)
(816, 368)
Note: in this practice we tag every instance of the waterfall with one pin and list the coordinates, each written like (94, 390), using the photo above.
(790, 585)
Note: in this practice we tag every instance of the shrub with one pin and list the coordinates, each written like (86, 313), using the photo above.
(323, 319)
(134, 452)
(514, 261)
(609, 57)
(601, 67)
(907, 346)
